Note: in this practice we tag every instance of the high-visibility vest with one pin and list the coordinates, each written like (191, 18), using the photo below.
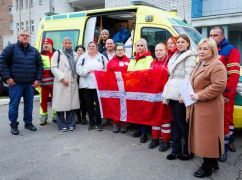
(47, 78)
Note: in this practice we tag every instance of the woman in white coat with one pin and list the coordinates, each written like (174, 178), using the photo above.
(85, 67)
(180, 67)
(65, 89)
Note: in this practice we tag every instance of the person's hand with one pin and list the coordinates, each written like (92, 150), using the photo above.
(181, 100)
(35, 84)
(10, 82)
(195, 97)
(226, 100)
(65, 82)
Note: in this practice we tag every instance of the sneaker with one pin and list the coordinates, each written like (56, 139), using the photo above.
(63, 129)
(71, 128)
(90, 127)
(14, 128)
(153, 144)
(123, 129)
(30, 127)
(164, 146)
(99, 128)
(115, 128)
(43, 120)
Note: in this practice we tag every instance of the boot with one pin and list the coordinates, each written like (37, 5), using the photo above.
(154, 143)
(14, 128)
(115, 128)
(223, 158)
(164, 146)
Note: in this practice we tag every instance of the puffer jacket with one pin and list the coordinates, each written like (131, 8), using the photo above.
(180, 67)
(23, 64)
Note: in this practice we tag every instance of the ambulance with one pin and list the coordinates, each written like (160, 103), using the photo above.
(137, 21)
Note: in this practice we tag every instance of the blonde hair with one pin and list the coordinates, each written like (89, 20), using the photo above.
(211, 44)
(143, 41)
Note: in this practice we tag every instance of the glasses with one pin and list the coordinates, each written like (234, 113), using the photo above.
(26, 35)
(213, 35)
(120, 50)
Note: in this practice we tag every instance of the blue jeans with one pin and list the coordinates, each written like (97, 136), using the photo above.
(15, 93)
(66, 119)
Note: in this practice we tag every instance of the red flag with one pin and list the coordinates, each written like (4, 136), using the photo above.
(134, 97)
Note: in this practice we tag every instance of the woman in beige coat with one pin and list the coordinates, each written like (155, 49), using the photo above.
(65, 90)
(205, 117)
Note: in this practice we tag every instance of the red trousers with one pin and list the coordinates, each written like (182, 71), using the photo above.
(46, 91)
(228, 117)
(164, 130)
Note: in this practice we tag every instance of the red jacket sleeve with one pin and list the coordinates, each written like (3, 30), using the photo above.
(233, 71)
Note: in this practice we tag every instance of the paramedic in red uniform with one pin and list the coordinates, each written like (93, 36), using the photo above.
(46, 82)
(230, 57)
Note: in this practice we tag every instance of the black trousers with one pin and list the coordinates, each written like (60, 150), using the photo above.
(93, 107)
(208, 163)
(83, 109)
(180, 127)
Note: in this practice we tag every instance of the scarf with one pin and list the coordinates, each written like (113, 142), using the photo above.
(139, 56)
(70, 56)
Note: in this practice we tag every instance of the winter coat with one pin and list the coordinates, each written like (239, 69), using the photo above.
(230, 56)
(206, 116)
(23, 64)
(180, 67)
(118, 64)
(141, 64)
(85, 67)
(65, 98)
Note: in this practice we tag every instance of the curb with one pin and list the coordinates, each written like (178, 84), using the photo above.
(6, 101)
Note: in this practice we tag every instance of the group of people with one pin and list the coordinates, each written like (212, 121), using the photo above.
(67, 77)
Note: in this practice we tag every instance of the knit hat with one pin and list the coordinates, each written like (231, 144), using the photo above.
(48, 40)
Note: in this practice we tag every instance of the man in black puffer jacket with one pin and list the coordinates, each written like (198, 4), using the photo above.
(21, 67)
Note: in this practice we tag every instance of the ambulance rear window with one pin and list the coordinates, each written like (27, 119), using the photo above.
(193, 34)
(58, 36)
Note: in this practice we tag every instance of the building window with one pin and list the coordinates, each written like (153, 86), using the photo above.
(40, 2)
(31, 2)
(26, 3)
(32, 26)
(17, 4)
(22, 25)
(27, 25)
(11, 26)
(10, 9)
(21, 4)
(17, 27)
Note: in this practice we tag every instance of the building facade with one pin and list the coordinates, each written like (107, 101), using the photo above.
(227, 13)
(28, 13)
(6, 20)
(183, 7)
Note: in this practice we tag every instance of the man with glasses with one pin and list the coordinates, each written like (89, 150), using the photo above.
(21, 67)
(230, 57)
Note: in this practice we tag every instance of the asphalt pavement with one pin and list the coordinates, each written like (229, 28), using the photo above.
(49, 154)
